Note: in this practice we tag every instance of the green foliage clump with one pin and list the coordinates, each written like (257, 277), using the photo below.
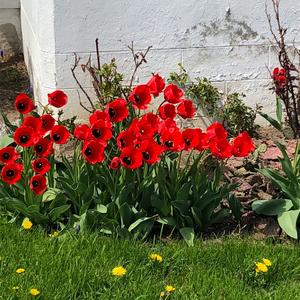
(201, 91)
(237, 116)
(287, 205)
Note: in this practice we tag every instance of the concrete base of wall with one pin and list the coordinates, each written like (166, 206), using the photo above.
(10, 29)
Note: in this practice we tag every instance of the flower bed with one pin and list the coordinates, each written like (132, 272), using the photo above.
(125, 177)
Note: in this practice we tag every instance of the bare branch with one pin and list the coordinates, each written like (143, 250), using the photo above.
(139, 58)
(76, 62)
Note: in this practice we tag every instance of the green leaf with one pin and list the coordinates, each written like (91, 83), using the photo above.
(18, 205)
(126, 214)
(279, 110)
(50, 194)
(161, 204)
(7, 122)
(56, 212)
(5, 140)
(138, 222)
(101, 208)
(288, 222)
(220, 216)
(167, 221)
(188, 235)
(272, 121)
(272, 207)
(236, 207)
(183, 193)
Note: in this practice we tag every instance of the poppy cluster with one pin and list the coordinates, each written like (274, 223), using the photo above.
(37, 133)
(279, 78)
(117, 129)
(144, 139)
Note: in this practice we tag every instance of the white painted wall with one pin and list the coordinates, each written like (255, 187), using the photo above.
(37, 19)
(10, 27)
(227, 41)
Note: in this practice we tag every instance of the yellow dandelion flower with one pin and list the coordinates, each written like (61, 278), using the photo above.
(267, 262)
(155, 257)
(169, 288)
(261, 267)
(26, 224)
(54, 234)
(20, 270)
(119, 271)
(162, 294)
(34, 292)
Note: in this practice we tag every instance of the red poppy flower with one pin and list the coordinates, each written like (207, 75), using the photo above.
(8, 155)
(216, 130)
(117, 110)
(156, 85)
(99, 115)
(203, 141)
(57, 99)
(140, 96)
(172, 140)
(131, 158)
(47, 123)
(242, 145)
(191, 137)
(151, 151)
(186, 109)
(59, 134)
(220, 148)
(41, 165)
(152, 119)
(38, 184)
(24, 104)
(167, 111)
(141, 128)
(12, 173)
(34, 123)
(173, 94)
(25, 136)
(125, 139)
(115, 163)
(101, 131)
(83, 132)
(43, 147)
(93, 151)
(167, 123)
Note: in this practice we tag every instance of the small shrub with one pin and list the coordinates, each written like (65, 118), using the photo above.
(237, 116)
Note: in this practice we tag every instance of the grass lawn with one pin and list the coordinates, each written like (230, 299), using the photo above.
(79, 267)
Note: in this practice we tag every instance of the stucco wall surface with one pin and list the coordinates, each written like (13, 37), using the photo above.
(227, 41)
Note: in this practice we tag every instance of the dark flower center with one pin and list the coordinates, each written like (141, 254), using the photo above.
(56, 137)
(35, 183)
(122, 143)
(187, 141)
(10, 173)
(5, 155)
(44, 123)
(146, 155)
(111, 112)
(169, 144)
(21, 106)
(39, 165)
(96, 133)
(126, 160)
(24, 139)
(88, 151)
(38, 148)
(137, 98)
